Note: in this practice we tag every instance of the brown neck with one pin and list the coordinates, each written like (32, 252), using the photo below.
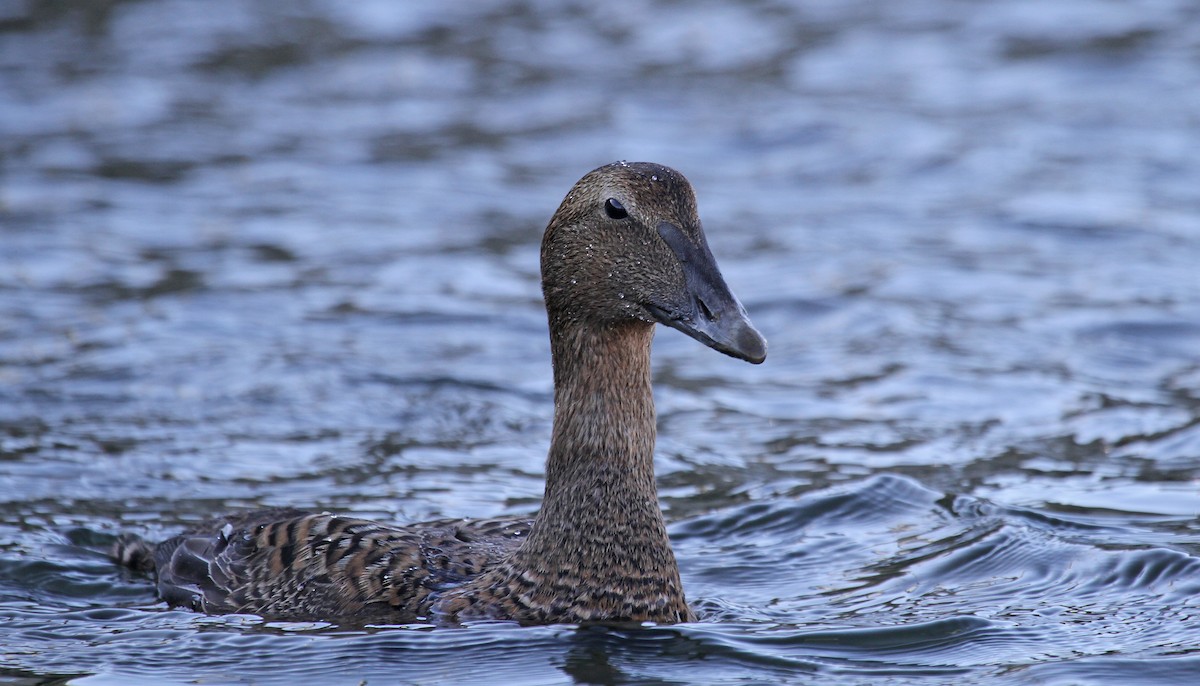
(601, 461)
(600, 526)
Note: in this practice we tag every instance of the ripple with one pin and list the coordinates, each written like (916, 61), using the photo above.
(256, 255)
(878, 499)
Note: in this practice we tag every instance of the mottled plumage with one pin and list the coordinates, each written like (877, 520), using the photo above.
(624, 250)
(289, 564)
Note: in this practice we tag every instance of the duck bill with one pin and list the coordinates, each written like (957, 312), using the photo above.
(711, 313)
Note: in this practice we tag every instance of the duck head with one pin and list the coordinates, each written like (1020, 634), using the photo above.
(627, 245)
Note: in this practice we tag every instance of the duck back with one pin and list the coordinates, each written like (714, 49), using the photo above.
(291, 565)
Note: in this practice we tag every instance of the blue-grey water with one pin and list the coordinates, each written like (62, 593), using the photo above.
(286, 254)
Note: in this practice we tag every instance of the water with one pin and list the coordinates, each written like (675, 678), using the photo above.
(287, 255)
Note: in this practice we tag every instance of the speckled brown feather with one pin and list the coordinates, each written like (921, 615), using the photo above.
(287, 564)
(598, 549)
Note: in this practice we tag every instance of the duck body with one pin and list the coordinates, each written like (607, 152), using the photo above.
(624, 251)
(293, 565)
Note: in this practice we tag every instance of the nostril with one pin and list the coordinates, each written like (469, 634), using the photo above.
(705, 311)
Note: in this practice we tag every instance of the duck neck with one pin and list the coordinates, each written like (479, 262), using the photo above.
(600, 526)
(600, 468)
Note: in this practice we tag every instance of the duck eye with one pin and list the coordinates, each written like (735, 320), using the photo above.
(614, 209)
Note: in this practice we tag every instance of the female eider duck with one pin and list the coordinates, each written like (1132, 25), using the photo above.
(624, 250)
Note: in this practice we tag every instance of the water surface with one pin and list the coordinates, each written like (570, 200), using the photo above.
(260, 255)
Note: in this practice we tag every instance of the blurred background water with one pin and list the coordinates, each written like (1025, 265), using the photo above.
(286, 254)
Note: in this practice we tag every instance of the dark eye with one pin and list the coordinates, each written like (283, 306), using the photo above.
(614, 209)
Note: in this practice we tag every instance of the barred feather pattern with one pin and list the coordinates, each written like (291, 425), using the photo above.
(290, 565)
